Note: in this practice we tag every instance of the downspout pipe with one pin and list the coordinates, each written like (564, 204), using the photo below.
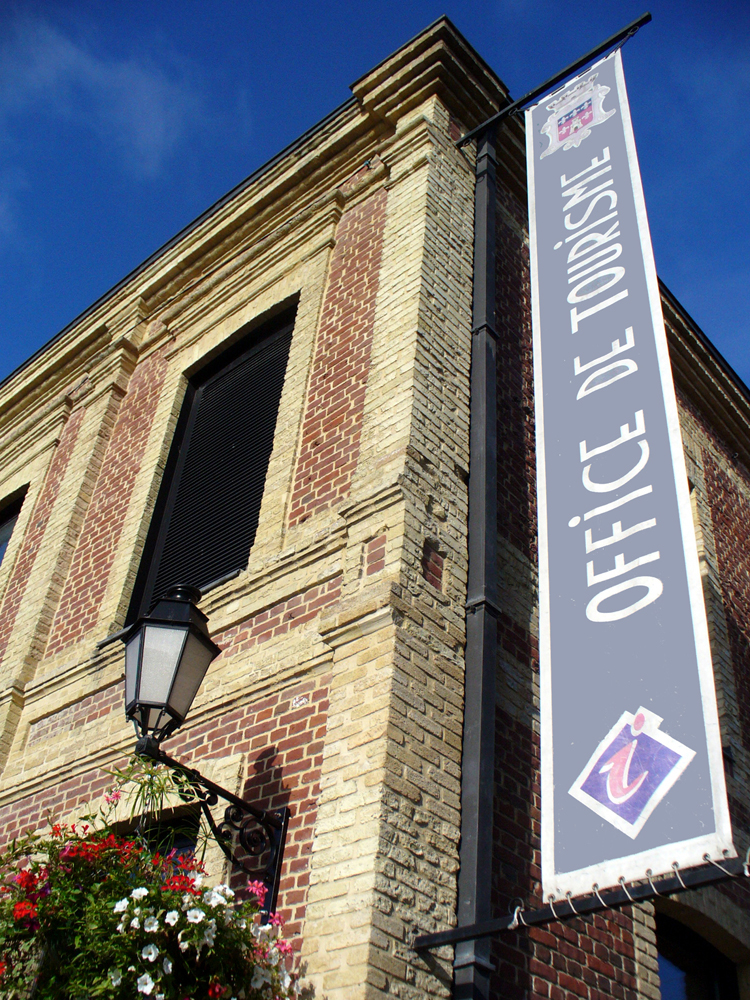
(472, 965)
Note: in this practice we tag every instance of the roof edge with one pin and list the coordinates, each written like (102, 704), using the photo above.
(181, 234)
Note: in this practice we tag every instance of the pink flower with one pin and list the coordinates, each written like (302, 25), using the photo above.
(112, 797)
(259, 890)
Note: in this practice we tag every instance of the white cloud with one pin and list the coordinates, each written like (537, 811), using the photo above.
(132, 105)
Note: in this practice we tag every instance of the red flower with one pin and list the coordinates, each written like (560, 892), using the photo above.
(27, 880)
(3, 968)
(181, 883)
(24, 910)
(216, 989)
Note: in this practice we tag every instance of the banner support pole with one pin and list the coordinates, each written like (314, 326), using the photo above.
(692, 878)
(510, 109)
(472, 965)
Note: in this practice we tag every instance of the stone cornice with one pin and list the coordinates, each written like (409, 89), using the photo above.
(438, 62)
(67, 361)
(706, 379)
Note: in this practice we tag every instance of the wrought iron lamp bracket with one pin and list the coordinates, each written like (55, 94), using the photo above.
(251, 839)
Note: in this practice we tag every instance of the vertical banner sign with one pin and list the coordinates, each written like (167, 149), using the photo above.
(632, 775)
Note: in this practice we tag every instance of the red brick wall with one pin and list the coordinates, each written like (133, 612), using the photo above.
(730, 521)
(375, 555)
(730, 517)
(432, 566)
(282, 735)
(591, 958)
(79, 713)
(78, 610)
(275, 621)
(332, 423)
(60, 799)
(730, 514)
(36, 528)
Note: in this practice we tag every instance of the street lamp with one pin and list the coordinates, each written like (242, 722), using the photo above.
(167, 654)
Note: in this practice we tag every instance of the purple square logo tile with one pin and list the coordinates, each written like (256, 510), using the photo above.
(631, 771)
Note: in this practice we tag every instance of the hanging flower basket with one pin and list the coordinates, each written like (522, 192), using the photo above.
(85, 913)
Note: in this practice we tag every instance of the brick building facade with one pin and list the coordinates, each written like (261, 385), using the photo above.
(339, 689)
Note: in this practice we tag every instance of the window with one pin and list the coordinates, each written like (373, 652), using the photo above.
(208, 507)
(689, 967)
(8, 518)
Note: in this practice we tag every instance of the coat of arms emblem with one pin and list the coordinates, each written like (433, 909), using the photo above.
(574, 114)
(631, 771)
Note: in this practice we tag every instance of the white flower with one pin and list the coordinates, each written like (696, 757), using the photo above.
(151, 924)
(150, 953)
(213, 898)
(286, 980)
(145, 983)
(262, 931)
(116, 976)
(209, 935)
(197, 881)
(225, 891)
(167, 965)
(171, 918)
(195, 916)
(135, 922)
(260, 976)
(139, 893)
(121, 927)
(121, 905)
(184, 945)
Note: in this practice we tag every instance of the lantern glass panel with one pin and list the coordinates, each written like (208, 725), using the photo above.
(154, 717)
(193, 667)
(132, 651)
(162, 646)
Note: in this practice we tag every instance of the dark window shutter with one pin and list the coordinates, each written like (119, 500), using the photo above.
(208, 508)
(8, 517)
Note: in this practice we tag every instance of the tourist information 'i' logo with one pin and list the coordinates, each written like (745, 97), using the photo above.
(631, 771)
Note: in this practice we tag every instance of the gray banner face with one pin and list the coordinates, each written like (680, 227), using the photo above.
(632, 776)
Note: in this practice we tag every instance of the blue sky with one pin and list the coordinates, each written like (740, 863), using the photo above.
(121, 122)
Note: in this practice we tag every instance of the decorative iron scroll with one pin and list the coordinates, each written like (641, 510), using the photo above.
(251, 839)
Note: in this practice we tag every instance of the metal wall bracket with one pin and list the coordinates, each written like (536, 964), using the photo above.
(251, 839)
(581, 906)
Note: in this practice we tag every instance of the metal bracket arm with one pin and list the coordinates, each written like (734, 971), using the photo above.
(691, 878)
(513, 108)
(259, 834)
